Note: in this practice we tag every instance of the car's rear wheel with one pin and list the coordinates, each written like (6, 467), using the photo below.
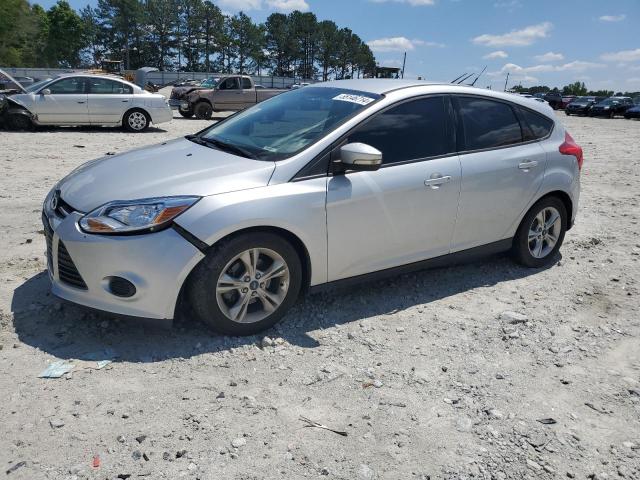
(136, 120)
(541, 233)
(203, 111)
(246, 284)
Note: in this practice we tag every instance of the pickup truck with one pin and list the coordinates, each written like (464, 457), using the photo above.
(232, 93)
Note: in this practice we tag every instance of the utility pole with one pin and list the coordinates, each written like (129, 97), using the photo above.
(506, 82)
(404, 62)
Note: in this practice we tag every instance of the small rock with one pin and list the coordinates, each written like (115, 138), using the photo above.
(534, 465)
(120, 439)
(267, 342)
(136, 454)
(56, 423)
(238, 442)
(125, 415)
(399, 329)
(494, 413)
(365, 472)
(513, 317)
(377, 383)
(141, 438)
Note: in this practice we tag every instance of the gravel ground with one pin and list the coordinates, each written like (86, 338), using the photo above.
(480, 371)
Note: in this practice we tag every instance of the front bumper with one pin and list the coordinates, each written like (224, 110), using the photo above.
(175, 103)
(157, 264)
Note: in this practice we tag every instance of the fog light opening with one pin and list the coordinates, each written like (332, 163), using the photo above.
(121, 287)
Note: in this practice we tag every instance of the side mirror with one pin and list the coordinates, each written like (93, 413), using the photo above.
(360, 157)
(45, 91)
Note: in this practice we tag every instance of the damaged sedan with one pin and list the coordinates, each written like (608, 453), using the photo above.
(81, 99)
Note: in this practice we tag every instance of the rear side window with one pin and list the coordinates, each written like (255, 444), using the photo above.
(410, 131)
(109, 87)
(488, 124)
(246, 83)
(535, 126)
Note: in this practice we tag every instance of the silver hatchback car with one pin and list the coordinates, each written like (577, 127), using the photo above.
(323, 185)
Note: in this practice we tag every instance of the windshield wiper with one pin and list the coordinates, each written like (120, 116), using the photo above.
(228, 147)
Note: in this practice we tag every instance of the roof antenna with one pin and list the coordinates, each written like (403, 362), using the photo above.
(479, 75)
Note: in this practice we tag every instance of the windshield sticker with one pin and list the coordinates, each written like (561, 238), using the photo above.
(359, 99)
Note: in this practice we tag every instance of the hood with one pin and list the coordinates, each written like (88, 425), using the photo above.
(4, 74)
(178, 167)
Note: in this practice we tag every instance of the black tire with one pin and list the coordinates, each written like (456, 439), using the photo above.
(521, 250)
(612, 114)
(203, 110)
(17, 121)
(201, 290)
(136, 120)
(186, 113)
(567, 113)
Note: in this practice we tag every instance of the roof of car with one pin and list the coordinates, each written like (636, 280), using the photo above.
(381, 86)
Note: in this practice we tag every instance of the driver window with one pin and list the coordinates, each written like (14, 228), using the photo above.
(229, 84)
(67, 86)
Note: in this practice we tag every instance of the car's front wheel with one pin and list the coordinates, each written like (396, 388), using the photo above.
(541, 233)
(246, 284)
(203, 110)
(186, 113)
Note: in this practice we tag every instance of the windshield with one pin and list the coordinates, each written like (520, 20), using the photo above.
(210, 82)
(609, 101)
(37, 85)
(284, 125)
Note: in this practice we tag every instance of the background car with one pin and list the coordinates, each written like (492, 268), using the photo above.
(581, 105)
(633, 112)
(566, 100)
(611, 107)
(554, 99)
(78, 99)
(179, 94)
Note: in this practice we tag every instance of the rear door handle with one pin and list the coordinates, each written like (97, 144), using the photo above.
(436, 180)
(81, 102)
(527, 165)
(125, 101)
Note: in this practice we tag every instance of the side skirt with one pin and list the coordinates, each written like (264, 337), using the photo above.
(441, 261)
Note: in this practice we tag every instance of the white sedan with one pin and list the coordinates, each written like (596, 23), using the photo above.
(81, 99)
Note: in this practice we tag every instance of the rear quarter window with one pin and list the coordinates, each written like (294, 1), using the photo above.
(535, 126)
(488, 123)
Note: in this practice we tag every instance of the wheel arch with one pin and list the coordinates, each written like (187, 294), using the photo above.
(292, 238)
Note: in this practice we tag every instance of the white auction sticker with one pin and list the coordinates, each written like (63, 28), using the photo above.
(346, 97)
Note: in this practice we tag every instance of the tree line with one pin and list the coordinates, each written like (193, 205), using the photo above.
(184, 35)
(576, 88)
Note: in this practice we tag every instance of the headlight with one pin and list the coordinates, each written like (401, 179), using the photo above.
(149, 214)
(606, 108)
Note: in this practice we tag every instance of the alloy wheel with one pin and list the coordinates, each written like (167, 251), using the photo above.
(544, 232)
(137, 120)
(252, 285)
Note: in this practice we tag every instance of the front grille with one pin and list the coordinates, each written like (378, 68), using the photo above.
(67, 271)
(48, 235)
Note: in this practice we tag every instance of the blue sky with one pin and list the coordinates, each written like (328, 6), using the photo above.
(551, 42)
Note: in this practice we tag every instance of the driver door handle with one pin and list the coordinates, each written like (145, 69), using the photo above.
(527, 165)
(436, 180)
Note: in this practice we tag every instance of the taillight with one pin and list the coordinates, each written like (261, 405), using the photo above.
(570, 147)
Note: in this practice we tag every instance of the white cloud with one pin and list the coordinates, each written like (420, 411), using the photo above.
(288, 5)
(413, 3)
(613, 18)
(399, 44)
(575, 66)
(622, 56)
(237, 5)
(549, 57)
(515, 38)
(508, 4)
(496, 54)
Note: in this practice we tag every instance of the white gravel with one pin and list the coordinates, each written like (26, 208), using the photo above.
(440, 374)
